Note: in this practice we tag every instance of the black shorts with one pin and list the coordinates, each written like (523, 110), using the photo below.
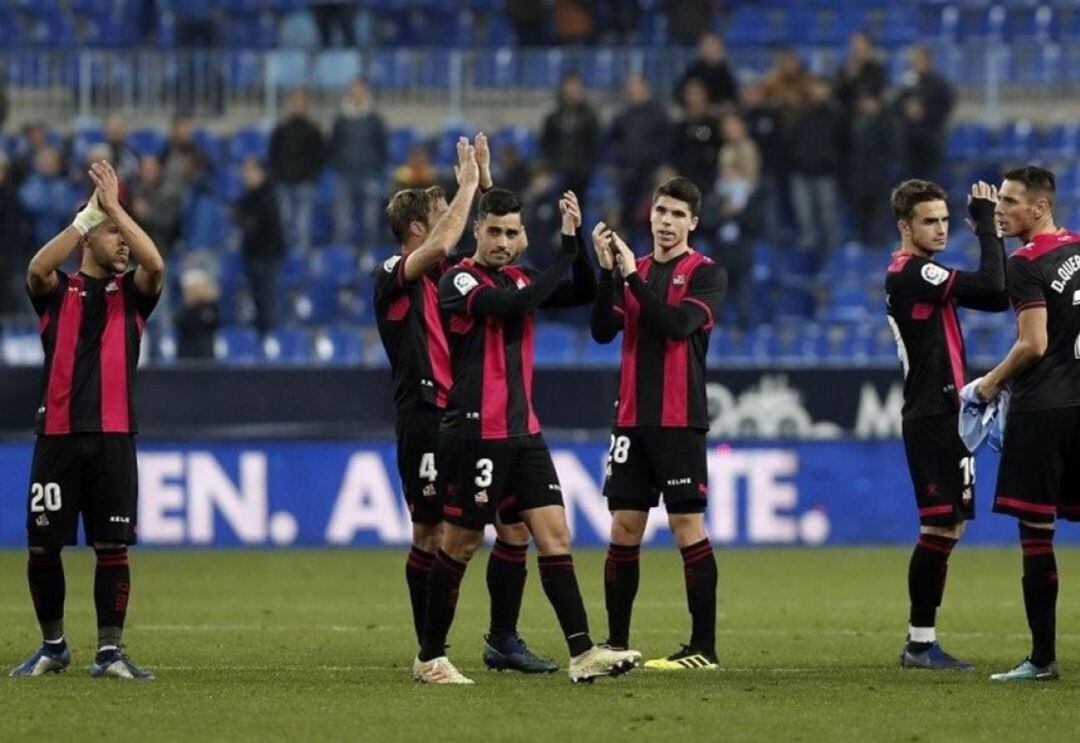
(645, 463)
(942, 470)
(479, 479)
(94, 474)
(417, 445)
(1039, 475)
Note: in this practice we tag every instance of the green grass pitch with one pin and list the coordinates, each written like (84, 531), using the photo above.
(315, 645)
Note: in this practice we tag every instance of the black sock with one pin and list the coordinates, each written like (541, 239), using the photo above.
(621, 577)
(927, 571)
(417, 570)
(112, 586)
(560, 585)
(699, 568)
(506, 584)
(1040, 591)
(442, 596)
(45, 575)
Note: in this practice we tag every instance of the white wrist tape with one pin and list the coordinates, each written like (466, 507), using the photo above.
(90, 216)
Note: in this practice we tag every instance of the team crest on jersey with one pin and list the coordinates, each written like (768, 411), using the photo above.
(481, 498)
(934, 274)
(392, 261)
(520, 283)
(42, 520)
(465, 282)
(113, 287)
(679, 280)
(429, 491)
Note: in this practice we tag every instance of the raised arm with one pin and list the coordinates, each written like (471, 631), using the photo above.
(984, 288)
(605, 320)
(150, 266)
(581, 288)
(679, 321)
(448, 229)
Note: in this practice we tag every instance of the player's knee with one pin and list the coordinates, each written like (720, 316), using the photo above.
(427, 536)
(628, 527)
(44, 551)
(688, 528)
(513, 533)
(949, 532)
(554, 540)
(460, 543)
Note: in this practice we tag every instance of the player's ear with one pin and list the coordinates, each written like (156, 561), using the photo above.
(693, 223)
(416, 228)
(904, 227)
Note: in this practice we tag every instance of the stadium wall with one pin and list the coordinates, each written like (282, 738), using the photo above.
(306, 493)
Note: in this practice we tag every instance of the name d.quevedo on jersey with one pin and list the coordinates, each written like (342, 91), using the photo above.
(1066, 271)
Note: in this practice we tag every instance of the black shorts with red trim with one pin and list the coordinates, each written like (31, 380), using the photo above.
(645, 463)
(1039, 476)
(480, 479)
(942, 470)
(417, 446)
(93, 474)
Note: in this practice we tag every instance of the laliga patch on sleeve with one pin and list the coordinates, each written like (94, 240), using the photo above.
(934, 274)
(465, 282)
(392, 261)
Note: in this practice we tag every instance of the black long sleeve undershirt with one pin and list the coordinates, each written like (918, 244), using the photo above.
(675, 323)
(580, 289)
(984, 288)
(514, 302)
(604, 321)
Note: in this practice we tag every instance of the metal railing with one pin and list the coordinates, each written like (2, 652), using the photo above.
(63, 85)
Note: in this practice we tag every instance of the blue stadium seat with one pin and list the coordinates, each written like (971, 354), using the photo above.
(555, 344)
(288, 68)
(318, 303)
(335, 263)
(146, 140)
(298, 29)
(339, 346)
(289, 346)
(249, 142)
(402, 140)
(236, 345)
(335, 69)
(967, 141)
(1063, 140)
(1018, 140)
(596, 354)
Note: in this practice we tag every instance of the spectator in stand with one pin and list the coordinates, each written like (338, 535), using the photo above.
(570, 138)
(739, 212)
(926, 101)
(871, 171)
(359, 156)
(180, 149)
(513, 171)
(331, 14)
(296, 160)
(79, 174)
(35, 137)
(529, 19)
(197, 22)
(788, 88)
(417, 171)
(639, 139)
(199, 318)
(697, 138)
(862, 73)
(540, 205)
(155, 205)
(616, 21)
(47, 197)
(711, 68)
(763, 125)
(815, 168)
(123, 159)
(687, 19)
(573, 21)
(259, 219)
(16, 248)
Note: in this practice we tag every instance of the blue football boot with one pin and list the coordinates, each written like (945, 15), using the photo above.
(933, 658)
(114, 664)
(510, 653)
(1028, 671)
(44, 660)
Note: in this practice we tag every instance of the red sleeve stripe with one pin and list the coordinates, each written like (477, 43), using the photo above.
(702, 305)
(399, 271)
(470, 298)
(1021, 306)
(948, 286)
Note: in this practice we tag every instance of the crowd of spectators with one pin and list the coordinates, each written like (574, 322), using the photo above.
(803, 161)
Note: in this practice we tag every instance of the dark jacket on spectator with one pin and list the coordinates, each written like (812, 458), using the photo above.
(569, 139)
(640, 137)
(196, 325)
(870, 80)
(815, 140)
(259, 221)
(697, 147)
(358, 143)
(296, 151)
(717, 78)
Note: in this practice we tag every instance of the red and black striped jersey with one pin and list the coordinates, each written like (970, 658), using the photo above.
(91, 330)
(492, 357)
(407, 313)
(666, 313)
(1043, 273)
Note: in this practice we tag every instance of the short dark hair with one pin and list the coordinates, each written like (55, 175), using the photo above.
(1036, 179)
(911, 193)
(498, 202)
(410, 205)
(682, 189)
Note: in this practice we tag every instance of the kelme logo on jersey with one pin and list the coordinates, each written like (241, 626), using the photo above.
(465, 283)
(392, 261)
(934, 274)
(679, 280)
